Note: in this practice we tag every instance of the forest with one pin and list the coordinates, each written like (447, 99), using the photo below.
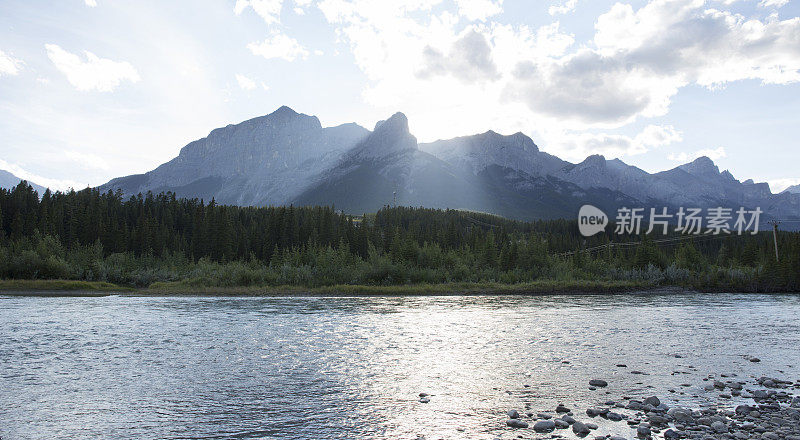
(158, 239)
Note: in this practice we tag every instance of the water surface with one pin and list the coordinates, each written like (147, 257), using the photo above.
(343, 368)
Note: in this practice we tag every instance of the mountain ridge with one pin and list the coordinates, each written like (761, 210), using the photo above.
(287, 157)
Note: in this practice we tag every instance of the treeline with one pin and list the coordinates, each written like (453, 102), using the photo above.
(94, 236)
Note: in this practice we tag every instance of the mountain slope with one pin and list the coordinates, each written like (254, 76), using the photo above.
(795, 189)
(266, 160)
(9, 181)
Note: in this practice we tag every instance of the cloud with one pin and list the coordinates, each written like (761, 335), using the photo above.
(469, 59)
(53, 184)
(778, 185)
(279, 46)
(576, 146)
(9, 65)
(90, 3)
(525, 78)
(713, 154)
(268, 10)
(245, 83)
(479, 10)
(772, 3)
(87, 160)
(563, 8)
(94, 73)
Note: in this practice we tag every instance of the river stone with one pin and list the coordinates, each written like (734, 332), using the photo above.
(598, 383)
(516, 423)
(614, 417)
(652, 401)
(560, 424)
(643, 430)
(719, 427)
(562, 409)
(580, 429)
(544, 426)
(569, 419)
(513, 414)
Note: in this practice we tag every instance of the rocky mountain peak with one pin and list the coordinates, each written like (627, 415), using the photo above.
(389, 137)
(702, 167)
(594, 161)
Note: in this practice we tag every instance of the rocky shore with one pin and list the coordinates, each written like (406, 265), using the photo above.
(761, 408)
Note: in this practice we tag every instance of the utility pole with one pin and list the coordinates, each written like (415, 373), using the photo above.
(775, 224)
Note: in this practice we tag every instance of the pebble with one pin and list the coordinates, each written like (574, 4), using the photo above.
(598, 383)
(580, 429)
(516, 423)
(652, 401)
(544, 426)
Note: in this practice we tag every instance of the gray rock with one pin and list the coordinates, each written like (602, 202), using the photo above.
(652, 401)
(560, 424)
(643, 430)
(614, 417)
(598, 383)
(516, 423)
(719, 427)
(513, 414)
(580, 429)
(544, 426)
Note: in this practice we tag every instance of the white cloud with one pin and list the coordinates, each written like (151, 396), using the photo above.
(94, 73)
(778, 185)
(53, 184)
(773, 3)
(87, 160)
(563, 8)
(279, 46)
(9, 65)
(479, 9)
(268, 10)
(245, 83)
(578, 145)
(90, 3)
(713, 154)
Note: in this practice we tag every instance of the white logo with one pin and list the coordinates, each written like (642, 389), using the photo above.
(591, 220)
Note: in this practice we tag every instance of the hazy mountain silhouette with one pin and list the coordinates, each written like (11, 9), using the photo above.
(289, 158)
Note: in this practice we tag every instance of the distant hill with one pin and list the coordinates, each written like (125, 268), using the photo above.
(792, 190)
(9, 181)
(289, 158)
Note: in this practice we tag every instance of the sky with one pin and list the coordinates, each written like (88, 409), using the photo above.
(96, 89)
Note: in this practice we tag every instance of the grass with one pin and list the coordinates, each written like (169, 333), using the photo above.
(536, 287)
(59, 286)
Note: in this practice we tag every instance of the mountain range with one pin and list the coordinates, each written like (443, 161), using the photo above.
(289, 158)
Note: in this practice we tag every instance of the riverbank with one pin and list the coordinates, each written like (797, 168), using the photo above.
(84, 288)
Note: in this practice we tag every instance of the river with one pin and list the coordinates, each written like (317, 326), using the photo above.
(345, 368)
